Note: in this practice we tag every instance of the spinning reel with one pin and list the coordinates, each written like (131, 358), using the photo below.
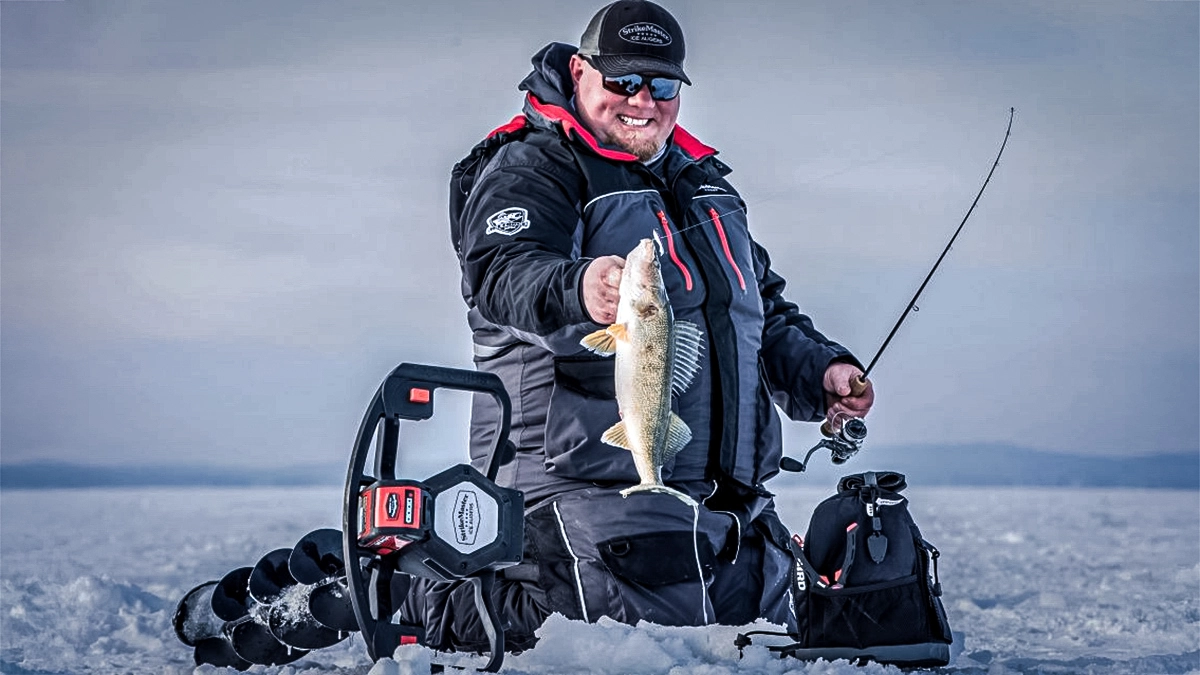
(842, 445)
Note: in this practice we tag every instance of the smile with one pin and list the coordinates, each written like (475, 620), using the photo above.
(632, 121)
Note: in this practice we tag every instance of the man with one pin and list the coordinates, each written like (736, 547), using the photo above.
(542, 212)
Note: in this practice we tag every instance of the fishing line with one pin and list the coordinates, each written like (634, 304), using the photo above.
(776, 195)
(704, 601)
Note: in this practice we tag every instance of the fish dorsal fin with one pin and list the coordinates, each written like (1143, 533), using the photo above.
(678, 435)
(600, 342)
(688, 344)
(615, 435)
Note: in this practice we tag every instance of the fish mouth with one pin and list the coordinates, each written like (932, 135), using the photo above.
(646, 257)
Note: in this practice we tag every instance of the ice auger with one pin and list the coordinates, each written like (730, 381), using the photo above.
(457, 525)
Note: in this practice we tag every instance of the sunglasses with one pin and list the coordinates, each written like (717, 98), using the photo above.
(661, 88)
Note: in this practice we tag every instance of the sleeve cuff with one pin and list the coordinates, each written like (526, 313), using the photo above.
(576, 311)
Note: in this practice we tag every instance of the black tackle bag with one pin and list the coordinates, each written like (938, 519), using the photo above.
(865, 582)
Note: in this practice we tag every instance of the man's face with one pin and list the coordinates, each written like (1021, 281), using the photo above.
(637, 124)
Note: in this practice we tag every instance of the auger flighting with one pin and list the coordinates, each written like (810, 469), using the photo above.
(846, 439)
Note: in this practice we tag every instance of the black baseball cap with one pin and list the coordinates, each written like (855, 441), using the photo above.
(634, 36)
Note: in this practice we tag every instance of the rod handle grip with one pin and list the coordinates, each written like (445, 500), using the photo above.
(858, 384)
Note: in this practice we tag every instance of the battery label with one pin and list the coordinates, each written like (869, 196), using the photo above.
(397, 506)
(390, 510)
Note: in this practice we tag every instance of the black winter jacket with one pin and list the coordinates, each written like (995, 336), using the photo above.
(531, 206)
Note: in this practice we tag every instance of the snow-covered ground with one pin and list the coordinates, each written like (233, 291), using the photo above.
(1037, 580)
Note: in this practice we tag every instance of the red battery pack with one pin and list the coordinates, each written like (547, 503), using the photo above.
(392, 514)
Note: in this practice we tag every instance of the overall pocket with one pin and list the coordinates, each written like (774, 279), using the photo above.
(655, 559)
(660, 577)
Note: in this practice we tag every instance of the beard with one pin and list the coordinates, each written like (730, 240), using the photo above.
(642, 148)
(637, 145)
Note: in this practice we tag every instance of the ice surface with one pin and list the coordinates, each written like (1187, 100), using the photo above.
(1037, 580)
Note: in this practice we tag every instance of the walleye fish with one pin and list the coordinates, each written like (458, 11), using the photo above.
(655, 356)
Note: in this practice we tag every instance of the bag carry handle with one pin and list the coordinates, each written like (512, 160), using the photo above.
(891, 481)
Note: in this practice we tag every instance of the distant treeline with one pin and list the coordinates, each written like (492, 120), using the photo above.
(995, 464)
(924, 465)
(68, 475)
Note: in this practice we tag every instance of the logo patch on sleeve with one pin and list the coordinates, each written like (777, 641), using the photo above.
(508, 221)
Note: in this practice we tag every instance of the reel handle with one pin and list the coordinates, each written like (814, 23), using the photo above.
(858, 385)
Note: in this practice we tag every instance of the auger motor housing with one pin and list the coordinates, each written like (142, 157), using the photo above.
(451, 526)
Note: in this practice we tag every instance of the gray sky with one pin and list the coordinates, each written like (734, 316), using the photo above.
(223, 223)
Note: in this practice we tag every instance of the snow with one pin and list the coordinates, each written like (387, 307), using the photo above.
(1037, 580)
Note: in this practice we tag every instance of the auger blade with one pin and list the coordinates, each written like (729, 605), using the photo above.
(317, 556)
(330, 604)
(194, 619)
(217, 651)
(231, 596)
(270, 577)
(292, 624)
(253, 642)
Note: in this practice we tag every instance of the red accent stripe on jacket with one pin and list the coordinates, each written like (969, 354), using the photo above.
(517, 122)
(716, 218)
(561, 115)
(687, 276)
(689, 144)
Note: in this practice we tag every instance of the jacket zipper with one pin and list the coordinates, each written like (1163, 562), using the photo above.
(687, 276)
(716, 218)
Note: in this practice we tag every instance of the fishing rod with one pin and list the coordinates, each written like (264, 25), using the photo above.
(847, 440)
